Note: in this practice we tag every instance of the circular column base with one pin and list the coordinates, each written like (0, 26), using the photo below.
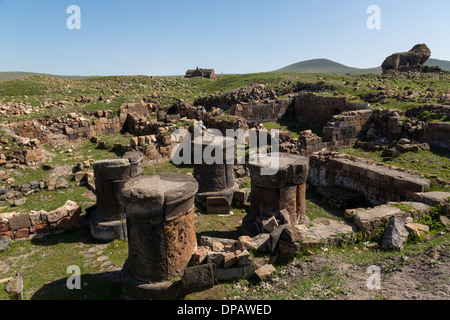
(214, 204)
(107, 230)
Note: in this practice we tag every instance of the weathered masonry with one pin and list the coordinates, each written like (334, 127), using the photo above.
(161, 234)
(378, 183)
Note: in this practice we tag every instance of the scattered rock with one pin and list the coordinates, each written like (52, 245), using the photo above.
(265, 271)
(246, 243)
(444, 221)
(19, 202)
(417, 228)
(4, 243)
(15, 287)
(395, 235)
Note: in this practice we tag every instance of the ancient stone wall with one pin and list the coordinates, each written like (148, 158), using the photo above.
(315, 111)
(262, 113)
(437, 134)
(22, 225)
(378, 183)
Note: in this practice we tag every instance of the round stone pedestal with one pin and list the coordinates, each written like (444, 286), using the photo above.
(107, 222)
(161, 234)
(215, 174)
(282, 191)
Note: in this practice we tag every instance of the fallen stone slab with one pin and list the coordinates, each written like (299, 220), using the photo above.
(370, 219)
(431, 198)
(262, 242)
(208, 241)
(412, 208)
(325, 232)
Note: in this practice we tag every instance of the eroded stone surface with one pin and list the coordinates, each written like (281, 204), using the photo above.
(323, 231)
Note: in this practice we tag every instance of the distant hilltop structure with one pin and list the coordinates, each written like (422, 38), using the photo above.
(202, 73)
(411, 61)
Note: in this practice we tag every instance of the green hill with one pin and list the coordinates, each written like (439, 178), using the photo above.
(443, 64)
(19, 74)
(329, 66)
(325, 66)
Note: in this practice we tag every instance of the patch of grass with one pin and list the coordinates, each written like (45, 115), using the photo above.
(43, 264)
(317, 207)
(168, 167)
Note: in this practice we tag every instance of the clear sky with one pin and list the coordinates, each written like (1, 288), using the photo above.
(232, 36)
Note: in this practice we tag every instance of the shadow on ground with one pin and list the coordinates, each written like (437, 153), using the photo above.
(98, 286)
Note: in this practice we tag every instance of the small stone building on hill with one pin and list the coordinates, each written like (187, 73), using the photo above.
(202, 73)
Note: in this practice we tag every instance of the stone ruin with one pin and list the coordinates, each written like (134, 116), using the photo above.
(412, 61)
(276, 198)
(216, 185)
(156, 213)
(161, 234)
(108, 219)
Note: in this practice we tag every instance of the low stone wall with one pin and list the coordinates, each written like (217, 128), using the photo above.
(378, 183)
(262, 113)
(437, 134)
(347, 126)
(315, 111)
(22, 225)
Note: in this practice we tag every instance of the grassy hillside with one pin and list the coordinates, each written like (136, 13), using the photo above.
(5, 76)
(47, 95)
(325, 66)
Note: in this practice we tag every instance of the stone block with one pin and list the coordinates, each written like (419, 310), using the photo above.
(229, 259)
(265, 272)
(55, 215)
(21, 233)
(37, 217)
(19, 221)
(243, 258)
(218, 205)
(215, 258)
(246, 243)
(197, 278)
(199, 255)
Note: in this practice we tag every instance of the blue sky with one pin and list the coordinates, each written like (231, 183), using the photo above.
(245, 36)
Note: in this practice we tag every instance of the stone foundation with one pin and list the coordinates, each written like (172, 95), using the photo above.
(23, 225)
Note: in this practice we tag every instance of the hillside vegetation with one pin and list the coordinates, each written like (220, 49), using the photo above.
(44, 95)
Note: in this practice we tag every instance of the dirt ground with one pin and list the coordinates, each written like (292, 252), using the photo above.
(425, 277)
